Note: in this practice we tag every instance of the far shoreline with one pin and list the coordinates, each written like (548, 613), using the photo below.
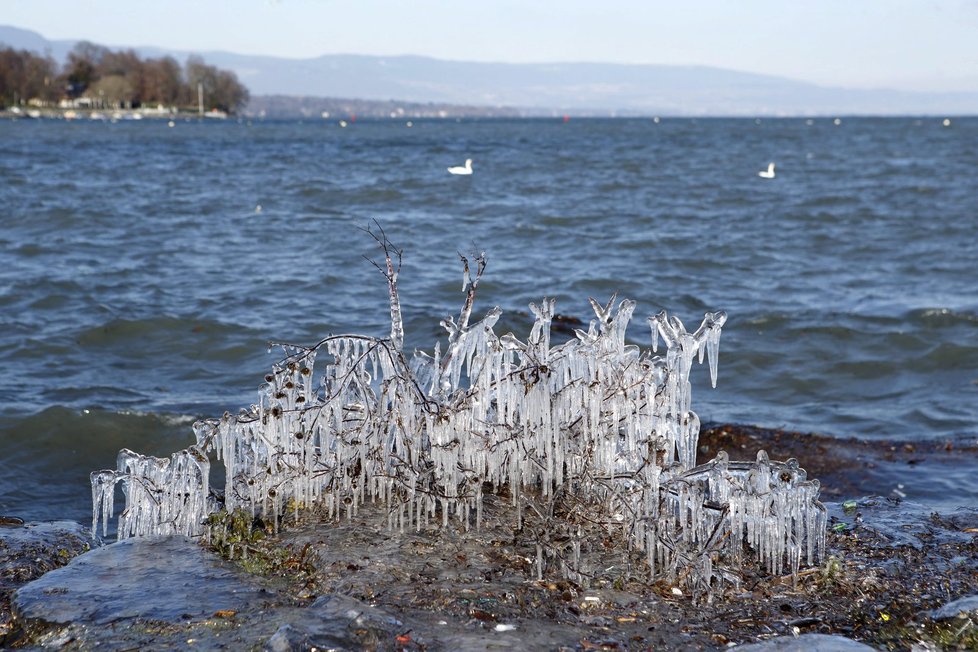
(174, 113)
(108, 115)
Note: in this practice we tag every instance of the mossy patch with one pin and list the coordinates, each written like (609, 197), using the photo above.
(243, 539)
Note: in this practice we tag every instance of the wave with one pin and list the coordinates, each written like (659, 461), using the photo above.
(48, 455)
(928, 318)
(949, 356)
(213, 340)
(90, 433)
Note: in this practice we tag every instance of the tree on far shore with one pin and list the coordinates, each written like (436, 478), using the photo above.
(80, 69)
(116, 79)
(220, 87)
(162, 80)
(25, 76)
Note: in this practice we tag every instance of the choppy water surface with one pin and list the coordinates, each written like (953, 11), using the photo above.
(139, 283)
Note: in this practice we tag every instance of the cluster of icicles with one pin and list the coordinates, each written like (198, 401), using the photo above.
(594, 417)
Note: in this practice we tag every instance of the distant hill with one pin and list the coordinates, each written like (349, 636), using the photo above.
(299, 106)
(23, 39)
(573, 88)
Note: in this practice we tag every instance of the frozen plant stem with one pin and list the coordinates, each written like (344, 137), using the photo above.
(594, 427)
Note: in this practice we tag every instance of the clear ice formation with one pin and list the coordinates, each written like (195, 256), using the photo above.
(595, 417)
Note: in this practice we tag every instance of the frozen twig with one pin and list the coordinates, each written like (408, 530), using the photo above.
(593, 436)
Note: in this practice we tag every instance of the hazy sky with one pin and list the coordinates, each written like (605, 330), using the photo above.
(907, 44)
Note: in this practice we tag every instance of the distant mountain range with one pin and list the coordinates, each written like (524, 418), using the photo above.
(542, 89)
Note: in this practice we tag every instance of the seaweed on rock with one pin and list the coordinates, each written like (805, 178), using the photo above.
(591, 433)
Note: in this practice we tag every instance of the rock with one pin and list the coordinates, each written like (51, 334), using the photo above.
(905, 523)
(27, 551)
(807, 643)
(288, 638)
(965, 605)
(168, 579)
(964, 518)
(336, 622)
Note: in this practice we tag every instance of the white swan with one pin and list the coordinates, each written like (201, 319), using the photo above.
(768, 173)
(458, 169)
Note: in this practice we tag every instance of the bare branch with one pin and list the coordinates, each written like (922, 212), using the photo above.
(390, 270)
(592, 440)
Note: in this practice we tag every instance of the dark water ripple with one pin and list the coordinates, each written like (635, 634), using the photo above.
(137, 277)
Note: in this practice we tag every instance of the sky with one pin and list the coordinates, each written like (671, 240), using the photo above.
(927, 45)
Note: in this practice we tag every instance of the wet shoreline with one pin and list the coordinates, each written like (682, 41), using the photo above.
(890, 562)
(851, 468)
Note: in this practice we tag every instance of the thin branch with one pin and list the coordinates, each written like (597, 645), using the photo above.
(390, 270)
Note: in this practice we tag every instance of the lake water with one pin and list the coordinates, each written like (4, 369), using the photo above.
(140, 283)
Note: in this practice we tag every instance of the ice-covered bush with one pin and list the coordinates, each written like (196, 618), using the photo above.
(593, 425)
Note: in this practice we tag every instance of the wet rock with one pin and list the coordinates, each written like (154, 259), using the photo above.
(28, 550)
(167, 579)
(904, 522)
(596, 621)
(336, 621)
(288, 638)
(807, 643)
(964, 519)
(966, 605)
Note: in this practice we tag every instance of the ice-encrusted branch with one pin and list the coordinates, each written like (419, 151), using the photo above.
(469, 286)
(596, 426)
(390, 270)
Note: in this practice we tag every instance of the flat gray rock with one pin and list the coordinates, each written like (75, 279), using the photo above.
(965, 605)
(169, 579)
(807, 643)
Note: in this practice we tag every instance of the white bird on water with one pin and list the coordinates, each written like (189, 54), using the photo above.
(768, 173)
(458, 169)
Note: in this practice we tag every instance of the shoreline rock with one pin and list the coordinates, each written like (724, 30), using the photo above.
(30, 550)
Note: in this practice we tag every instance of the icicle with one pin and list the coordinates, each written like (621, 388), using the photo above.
(593, 416)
